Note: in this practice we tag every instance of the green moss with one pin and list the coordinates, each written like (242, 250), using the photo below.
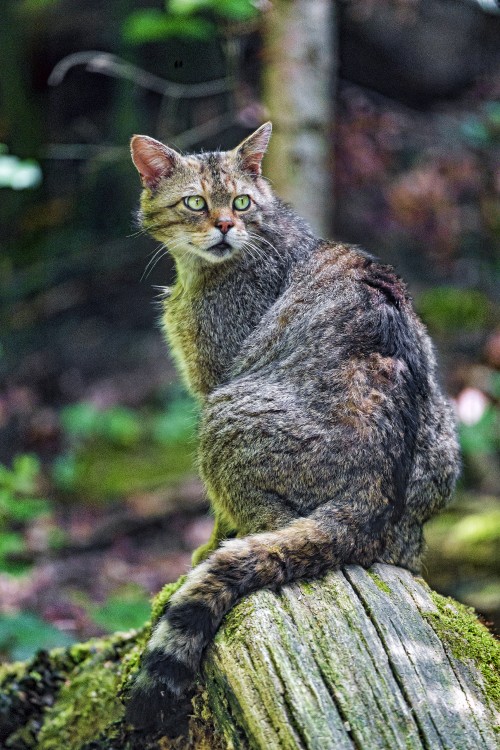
(219, 712)
(307, 587)
(67, 679)
(131, 660)
(12, 671)
(66, 659)
(379, 583)
(87, 702)
(85, 706)
(161, 599)
(235, 619)
(458, 627)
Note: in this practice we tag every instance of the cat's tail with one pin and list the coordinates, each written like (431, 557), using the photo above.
(306, 548)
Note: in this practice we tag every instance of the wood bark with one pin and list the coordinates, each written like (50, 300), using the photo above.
(300, 64)
(360, 660)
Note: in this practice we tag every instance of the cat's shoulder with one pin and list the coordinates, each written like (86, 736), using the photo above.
(357, 271)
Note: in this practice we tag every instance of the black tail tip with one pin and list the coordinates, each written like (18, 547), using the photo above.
(157, 711)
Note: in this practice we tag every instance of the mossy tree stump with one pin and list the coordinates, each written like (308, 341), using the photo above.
(361, 660)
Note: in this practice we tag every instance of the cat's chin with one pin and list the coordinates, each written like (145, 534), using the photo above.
(221, 249)
(217, 253)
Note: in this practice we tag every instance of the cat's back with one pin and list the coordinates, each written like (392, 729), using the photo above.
(343, 273)
(339, 303)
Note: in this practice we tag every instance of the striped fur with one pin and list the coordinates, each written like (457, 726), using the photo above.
(194, 613)
(325, 438)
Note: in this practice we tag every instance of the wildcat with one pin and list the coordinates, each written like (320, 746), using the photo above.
(324, 438)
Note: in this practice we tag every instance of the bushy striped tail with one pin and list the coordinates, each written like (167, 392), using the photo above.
(172, 657)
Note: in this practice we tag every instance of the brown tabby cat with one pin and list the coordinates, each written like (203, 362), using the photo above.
(325, 438)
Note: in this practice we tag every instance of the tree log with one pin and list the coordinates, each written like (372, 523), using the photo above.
(359, 660)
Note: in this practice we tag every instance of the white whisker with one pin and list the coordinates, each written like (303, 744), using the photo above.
(143, 230)
(152, 261)
(159, 253)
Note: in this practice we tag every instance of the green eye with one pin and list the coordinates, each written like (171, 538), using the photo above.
(195, 202)
(241, 202)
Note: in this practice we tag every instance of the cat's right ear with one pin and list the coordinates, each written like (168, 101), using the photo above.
(251, 151)
(153, 160)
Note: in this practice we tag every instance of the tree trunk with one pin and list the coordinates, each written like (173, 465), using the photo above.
(360, 660)
(299, 71)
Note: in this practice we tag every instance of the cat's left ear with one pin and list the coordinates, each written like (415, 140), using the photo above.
(251, 151)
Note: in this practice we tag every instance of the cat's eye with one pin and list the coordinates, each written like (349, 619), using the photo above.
(241, 202)
(195, 202)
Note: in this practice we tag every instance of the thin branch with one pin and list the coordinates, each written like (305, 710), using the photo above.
(207, 129)
(184, 140)
(116, 67)
(84, 151)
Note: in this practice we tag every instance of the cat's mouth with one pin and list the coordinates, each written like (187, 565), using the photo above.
(221, 249)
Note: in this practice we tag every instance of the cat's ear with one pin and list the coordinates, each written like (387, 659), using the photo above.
(251, 151)
(152, 159)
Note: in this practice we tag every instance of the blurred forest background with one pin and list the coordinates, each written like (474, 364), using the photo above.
(392, 141)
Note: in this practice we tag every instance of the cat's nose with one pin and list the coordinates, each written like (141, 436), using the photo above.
(224, 225)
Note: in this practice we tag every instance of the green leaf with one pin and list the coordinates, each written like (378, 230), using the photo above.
(10, 543)
(477, 529)
(80, 420)
(187, 7)
(7, 478)
(27, 508)
(6, 501)
(23, 475)
(475, 131)
(22, 635)
(57, 538)
(482, 437)
(123, 611)
(152, 25)
(26, 465)
(65, 471)
(177, 424)
(233, 10)
(236, 10)
(26, 469)
(120, 425)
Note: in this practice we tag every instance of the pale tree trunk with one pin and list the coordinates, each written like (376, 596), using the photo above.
(361, 660)
(300, 65)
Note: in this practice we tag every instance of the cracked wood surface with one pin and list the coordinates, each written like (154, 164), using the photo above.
(356, 661)
(348, 662)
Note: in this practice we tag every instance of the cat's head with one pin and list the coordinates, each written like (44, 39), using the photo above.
(208, 205)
